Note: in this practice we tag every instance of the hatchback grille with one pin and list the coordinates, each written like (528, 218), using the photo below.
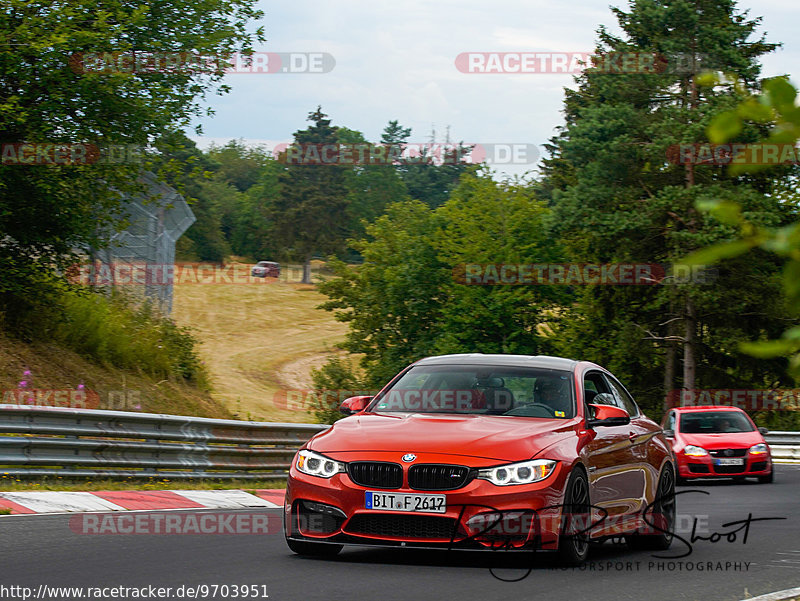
(437, 477)
(376, 474)
(729, 453)
(758, 466)
(402, 526)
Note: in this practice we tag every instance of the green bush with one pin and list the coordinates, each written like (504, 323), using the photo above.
(118, 331)
(336, 375)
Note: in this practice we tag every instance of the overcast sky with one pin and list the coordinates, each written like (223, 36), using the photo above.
(397, 61)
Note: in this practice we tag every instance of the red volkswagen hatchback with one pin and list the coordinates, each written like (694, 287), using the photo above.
(485, 451)
(717, 441)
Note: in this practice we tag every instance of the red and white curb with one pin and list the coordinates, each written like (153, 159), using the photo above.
(137, 500)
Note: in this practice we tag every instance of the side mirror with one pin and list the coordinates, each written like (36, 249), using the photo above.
(604, 398)
(606, 415)
(764, 431)
(669, 433)
(354, 404)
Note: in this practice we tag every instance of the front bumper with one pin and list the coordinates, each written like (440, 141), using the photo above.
(479, 515)
(691, 468)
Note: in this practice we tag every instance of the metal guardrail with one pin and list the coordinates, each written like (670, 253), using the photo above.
(784, 446)
(57, 441)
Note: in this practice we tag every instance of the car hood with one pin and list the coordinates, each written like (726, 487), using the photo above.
(503, 438)
(730, 440)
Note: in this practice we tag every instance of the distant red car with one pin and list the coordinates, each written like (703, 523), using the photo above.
(485, 452)
(717, 441)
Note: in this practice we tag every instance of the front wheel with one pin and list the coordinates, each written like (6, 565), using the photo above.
(662, 518)
(573, 544)
(312, 549)
(768, 478)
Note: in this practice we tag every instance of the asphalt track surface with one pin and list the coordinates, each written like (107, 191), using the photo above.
(43, 550)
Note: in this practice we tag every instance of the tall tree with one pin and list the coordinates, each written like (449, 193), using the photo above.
(190, 170)
(309, 214)
(49, 93)
(617, 198)
(374, 187)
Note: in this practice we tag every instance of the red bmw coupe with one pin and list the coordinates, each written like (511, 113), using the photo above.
(717, 441)
(487, 452)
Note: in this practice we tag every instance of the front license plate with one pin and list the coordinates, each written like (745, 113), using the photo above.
(405, 502)
(730, 461)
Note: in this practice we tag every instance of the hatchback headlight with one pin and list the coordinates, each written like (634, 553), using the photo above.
(314, 464)
(693, 451)
(525, 472)
(759, 449)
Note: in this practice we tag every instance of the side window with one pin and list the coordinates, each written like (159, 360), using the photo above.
(594, 384)
(624, 399)
(671, 421)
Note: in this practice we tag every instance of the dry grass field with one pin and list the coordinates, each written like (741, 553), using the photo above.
(259, 338)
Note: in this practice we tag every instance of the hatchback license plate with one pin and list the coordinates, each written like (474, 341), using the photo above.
(405, 502)
(730, 461)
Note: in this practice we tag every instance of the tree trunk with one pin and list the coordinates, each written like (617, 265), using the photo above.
(689, 361)
(307, 271)
(669, 374)
(690, 321)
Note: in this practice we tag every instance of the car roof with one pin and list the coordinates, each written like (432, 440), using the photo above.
(700, 408)
(542, 361)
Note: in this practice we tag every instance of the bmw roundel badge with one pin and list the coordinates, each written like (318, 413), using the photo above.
(409, 457)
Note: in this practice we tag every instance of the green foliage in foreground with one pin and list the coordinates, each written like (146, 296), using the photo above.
(776, 106)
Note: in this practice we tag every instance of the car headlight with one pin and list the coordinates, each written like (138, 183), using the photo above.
(693, 451)
(759, 449)
(525, 472)
(314, 464)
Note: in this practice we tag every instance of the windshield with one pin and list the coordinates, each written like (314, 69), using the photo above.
(715, 422)
(480, 389)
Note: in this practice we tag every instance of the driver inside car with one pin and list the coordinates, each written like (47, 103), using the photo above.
(554, 393)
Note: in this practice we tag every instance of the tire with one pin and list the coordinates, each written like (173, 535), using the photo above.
(663, 505)
(311, 549)
(574, 548)
(768, 479)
